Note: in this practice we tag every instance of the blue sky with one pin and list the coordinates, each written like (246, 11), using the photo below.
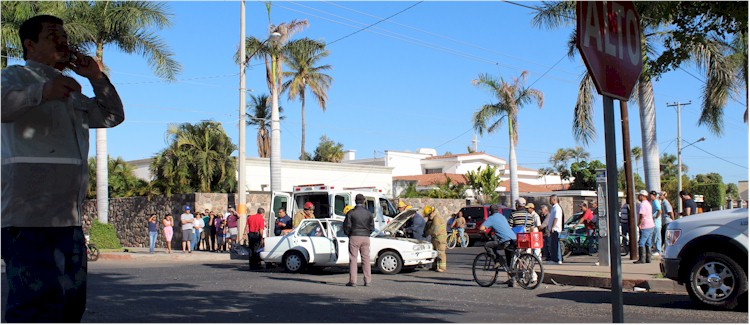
(402, 84)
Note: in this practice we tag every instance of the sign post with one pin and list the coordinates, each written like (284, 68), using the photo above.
(609, 39)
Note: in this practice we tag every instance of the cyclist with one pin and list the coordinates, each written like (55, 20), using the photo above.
(503, 238)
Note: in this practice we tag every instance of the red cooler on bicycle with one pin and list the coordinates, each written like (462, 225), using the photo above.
(529, 240)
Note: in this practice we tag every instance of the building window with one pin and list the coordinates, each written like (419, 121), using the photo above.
(433, 170)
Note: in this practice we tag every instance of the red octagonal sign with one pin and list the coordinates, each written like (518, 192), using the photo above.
(609, 38)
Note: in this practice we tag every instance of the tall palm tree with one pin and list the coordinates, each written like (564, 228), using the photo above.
(668, 164)
(707, 54)
(302, 56)
(637, 153)
(261, 118)
(127, 25)
(511, 97)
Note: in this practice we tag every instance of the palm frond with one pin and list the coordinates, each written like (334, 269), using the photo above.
(584, 129)
(553, 15)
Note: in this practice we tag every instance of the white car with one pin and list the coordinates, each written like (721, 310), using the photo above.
(322, 243)
(708, 253)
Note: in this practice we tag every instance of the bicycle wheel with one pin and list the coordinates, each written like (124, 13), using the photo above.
(452, 239)
(567, 248)
(529, 271)
(483, 270)
(92, 253)
(466, 240)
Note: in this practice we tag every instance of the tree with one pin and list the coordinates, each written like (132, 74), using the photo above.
(559, 161)
(127, 25)
(328, 150)
(578, 154)
(448, 190)
(484, 182)
(302, 56)
(122, 180)
(196, 159)
(585, 174)
(636, 154)
(712, 187)
(261, 118)
(638, 182)
(14, 13)
(544, 172)
(733, 192)
(411, 192)
(511, 97)
(668, 164)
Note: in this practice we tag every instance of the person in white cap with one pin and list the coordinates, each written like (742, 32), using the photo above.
(646, 226)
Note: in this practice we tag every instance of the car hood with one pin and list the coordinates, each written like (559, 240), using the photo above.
(398, 221)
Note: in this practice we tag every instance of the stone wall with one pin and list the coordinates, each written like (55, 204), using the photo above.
(129, 216)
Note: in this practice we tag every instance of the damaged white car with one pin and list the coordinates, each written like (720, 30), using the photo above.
(322, 243)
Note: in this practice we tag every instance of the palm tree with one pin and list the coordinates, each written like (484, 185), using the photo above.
(637, 154)
(209, 148)
(668, 164)
(544, 172)
(578, 154)
(261, 118)
(302, 56)
(707, 54)
(328, 150)
(125, 24)
(511, 97)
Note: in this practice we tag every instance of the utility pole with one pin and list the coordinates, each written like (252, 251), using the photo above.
(679, 153)
(630, 186)
(241, 209)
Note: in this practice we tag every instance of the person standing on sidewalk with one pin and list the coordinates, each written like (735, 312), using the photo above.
(45, 145)
(625, 224)
(459, 223)
(168, 231)
(232, 231)
(688, 204)
(211, 233)
(544, 217)
(646, 226)
(186, 219)
(554, 227)
(358, 225)
(667, 215)
(198, 226)
(436, 229)
(653, 197)
(153, 232)
(254, 234)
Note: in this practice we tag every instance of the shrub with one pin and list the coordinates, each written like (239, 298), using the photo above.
(104, 235)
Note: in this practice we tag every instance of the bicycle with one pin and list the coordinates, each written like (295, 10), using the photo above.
(525, 268)
(453, 239)
(92, 253)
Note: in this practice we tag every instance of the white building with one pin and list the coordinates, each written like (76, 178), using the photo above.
(294, 172)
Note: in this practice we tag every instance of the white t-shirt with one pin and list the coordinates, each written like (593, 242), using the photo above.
(189, 218)
(199, 223)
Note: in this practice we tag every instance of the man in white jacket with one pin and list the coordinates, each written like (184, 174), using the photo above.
(45, 144)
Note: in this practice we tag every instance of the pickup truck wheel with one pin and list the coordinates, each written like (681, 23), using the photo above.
(294, 261)
(389, 263)
(716, 281)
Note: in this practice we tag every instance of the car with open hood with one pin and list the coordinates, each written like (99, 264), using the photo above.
(322, 243)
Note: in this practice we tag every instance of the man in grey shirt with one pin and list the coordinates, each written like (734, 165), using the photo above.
(358, 225)
(187, 219)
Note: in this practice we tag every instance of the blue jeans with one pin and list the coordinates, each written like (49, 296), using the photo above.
(657, 236)
(645, 238)
(195, 239)
(554, 247)
(461, 235)
(53, 259)
(152, 241)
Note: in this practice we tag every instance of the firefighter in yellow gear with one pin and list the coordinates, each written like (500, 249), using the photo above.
(436, 228)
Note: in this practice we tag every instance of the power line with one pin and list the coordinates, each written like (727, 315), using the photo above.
(720, 158)
(378, 22)
(451, 140)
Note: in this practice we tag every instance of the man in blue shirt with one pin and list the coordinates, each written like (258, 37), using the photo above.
(504, 237)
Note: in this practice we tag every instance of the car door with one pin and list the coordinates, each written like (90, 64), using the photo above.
(280, 200)
(340, 201)
(315, 236)
(374, 207)
(341, 243)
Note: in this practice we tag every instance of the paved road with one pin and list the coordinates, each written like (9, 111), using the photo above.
(226, 292)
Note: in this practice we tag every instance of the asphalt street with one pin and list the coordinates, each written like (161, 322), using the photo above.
(227, 292)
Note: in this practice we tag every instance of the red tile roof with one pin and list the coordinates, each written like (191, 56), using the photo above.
(431, 179)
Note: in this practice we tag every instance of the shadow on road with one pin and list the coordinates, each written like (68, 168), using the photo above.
(112, 299)
(645, 299)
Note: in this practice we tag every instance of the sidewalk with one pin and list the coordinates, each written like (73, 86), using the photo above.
(582, 271)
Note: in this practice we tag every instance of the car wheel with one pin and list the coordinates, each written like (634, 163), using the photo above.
(717, 281)
(389, 263)
(294, 261)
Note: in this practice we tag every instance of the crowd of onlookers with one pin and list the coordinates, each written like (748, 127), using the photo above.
(202, 231)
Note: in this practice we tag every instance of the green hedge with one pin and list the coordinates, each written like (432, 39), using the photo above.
(104, 236)
(714, 195)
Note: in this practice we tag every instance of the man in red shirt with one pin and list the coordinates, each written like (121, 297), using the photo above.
(588, 221)
(254, 233)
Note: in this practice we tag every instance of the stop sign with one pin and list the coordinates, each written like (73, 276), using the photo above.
(609, 39)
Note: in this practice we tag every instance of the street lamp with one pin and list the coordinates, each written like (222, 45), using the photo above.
(679, 171)
(241, 209)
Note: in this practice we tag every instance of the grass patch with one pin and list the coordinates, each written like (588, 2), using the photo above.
(660, 276)
(104, 236)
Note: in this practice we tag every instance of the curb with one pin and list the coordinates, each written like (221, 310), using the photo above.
(651, 285)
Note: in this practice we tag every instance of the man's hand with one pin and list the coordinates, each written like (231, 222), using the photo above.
(87, 66)
(60, 88)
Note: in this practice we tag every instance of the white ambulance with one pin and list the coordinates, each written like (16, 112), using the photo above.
(330, 202)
